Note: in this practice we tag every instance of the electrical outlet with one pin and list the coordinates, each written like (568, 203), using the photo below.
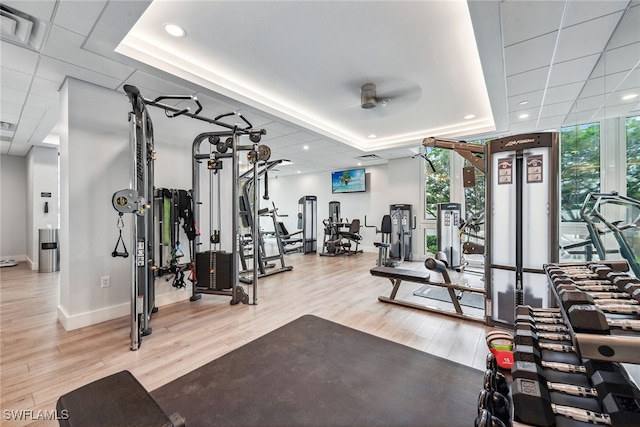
(105, 281)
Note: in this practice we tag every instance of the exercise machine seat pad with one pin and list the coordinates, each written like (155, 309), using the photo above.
(116, 400)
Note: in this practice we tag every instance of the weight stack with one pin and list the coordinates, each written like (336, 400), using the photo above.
(214, 270)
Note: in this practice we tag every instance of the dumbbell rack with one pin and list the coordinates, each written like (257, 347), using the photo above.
(602, 328)
(567, 368)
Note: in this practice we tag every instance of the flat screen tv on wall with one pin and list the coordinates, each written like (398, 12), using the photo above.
(348, 181)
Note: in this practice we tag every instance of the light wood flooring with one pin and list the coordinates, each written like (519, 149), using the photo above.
(39, 360)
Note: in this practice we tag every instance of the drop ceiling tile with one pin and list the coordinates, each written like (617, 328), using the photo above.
(559, 109)
(627, 30)
(46, 88)
(145, 81)
(618, 110)
(585, 39)
(13, 96)
(34, 111)
(305, 136)
(18, 58)
(553, 122)
(618, 60)
(44, 127)
(280, 141)
(281, 128)
(40, 101)
(53, 69)
(589, 103)
(78, 16)
(18, 149)
(9, 118)
(66, 46)
(578, 12)
(522, 127)
(582, 117)
(15, 79)
(532, 112)
(632, 81)
(524, 20)
(4, 147)
(6, 134)
(7, 107)
(217, 105)
(42, 10)
(577, 70)
(602, 85)
(527, 82)
(530, 54)
(563, 93)
(533, 99)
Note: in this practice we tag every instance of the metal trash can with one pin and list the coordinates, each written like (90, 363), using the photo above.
(49, 254)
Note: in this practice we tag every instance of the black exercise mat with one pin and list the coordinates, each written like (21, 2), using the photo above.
(470, 299)
(313, 372)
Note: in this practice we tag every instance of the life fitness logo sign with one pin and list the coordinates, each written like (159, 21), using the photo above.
(519, 142)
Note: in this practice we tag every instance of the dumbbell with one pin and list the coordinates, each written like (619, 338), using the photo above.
(527, 310)
(529, 336)
(526, 324)
(494, 401)
(585, 288)
(571, 298)
(598, 272)
(591, 318)
(596, 295)
(567, 280)
(532, 405)
(501, 383)
(495, 381)
(590, 366)
(603, 381)
(485, 419)
(536, 320)
(532, 371)
(528, 353)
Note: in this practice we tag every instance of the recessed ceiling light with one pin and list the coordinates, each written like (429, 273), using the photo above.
(373, 135)
(523, 116)
(524, 102)
(359, 164)
(630, 96)
(469, 116)
(306, 147)
(175, 30)
(298, 171)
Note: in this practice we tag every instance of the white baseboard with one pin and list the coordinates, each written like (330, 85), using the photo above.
(76, 321)
(173, 296)
(18, 258)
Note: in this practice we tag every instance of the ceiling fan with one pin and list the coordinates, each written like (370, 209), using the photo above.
(369, 97)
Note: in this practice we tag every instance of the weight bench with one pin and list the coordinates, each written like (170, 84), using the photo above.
(397, 275)
(116, 400)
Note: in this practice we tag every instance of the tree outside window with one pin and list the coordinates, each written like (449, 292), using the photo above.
(580, 167)
(633, 157)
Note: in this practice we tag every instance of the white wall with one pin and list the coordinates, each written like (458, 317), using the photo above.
(395, 183)
(13, 208)
(42, 177)
(95, 163)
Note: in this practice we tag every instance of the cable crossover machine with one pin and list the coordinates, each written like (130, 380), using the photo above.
(138, 200)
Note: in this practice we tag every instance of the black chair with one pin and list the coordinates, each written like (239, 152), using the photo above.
(351, 236)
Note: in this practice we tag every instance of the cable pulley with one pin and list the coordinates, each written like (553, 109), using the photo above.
(116, 253)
